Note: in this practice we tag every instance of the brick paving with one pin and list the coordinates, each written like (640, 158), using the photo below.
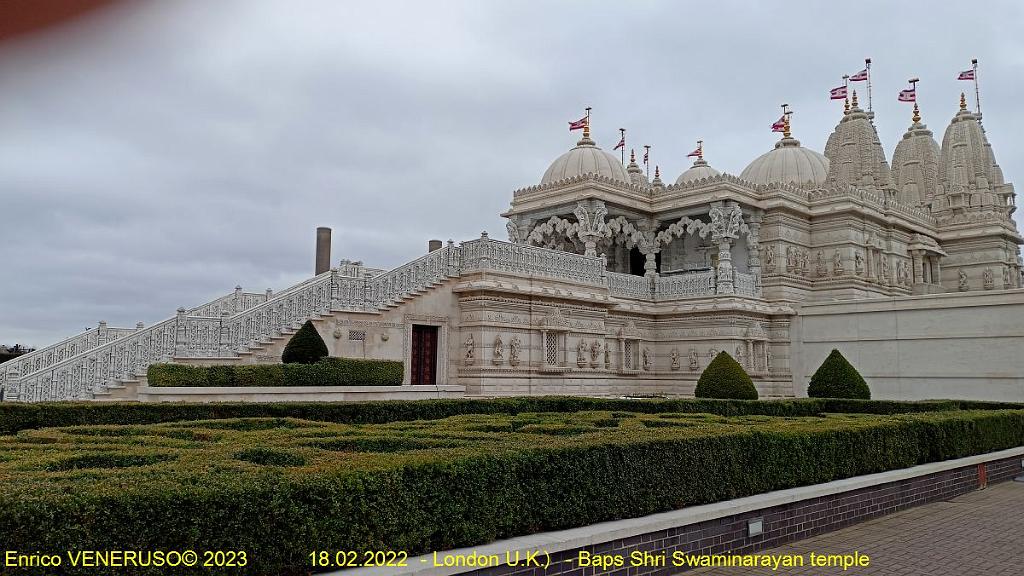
(981, 533)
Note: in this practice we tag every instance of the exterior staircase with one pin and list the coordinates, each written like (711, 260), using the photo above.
(107, 363)
(236, 327)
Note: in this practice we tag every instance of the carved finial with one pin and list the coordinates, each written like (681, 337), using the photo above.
(846, 107)
(785, 126)
(657, 173)
(963, 102)
(586, 126)
(700, 149)
(917, 114)
(854, 103)
(632, 155)
(483, 234)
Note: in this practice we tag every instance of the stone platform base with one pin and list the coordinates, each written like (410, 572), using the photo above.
(298, 393)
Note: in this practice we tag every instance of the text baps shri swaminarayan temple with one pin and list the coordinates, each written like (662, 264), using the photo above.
(613, 284)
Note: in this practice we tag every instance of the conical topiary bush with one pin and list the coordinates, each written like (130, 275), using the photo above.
(305, 347)
(725, 378)
(837, 378)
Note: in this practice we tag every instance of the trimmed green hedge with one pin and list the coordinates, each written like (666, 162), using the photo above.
(305, 347)
(837, 378)
(416, 486)
(725, 378)
(326, 372)
(15, 416)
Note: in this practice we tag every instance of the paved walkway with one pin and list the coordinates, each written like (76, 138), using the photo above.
(981, 533)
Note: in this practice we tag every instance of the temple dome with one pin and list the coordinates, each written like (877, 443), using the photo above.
(788, 163)
(700, 170)
(855, 153)
(915, 164)
(585, 158)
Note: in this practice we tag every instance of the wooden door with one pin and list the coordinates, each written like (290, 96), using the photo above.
(424, 355)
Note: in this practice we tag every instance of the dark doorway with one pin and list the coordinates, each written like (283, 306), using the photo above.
(636, 262)
(424, 355)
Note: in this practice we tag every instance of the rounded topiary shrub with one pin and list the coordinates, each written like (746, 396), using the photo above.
(837, 378)
(725, 378)
(305, 347)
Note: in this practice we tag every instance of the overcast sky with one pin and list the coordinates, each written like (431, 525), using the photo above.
(156, 155)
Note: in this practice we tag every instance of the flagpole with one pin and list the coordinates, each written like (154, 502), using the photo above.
(622, 139)
(913, 86)
(846, 89)
(867, 65)
(977, 93)
(647, 160)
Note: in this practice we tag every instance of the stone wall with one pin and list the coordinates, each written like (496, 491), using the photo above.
(956, 345)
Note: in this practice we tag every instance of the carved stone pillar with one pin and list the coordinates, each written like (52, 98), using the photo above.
(225, 335)
(754, 251)
(918, 263)
(726, 222)
(937, 269)
(590, 224)
(751, 359)
(724, 272)
(651, 262)
(180, 336)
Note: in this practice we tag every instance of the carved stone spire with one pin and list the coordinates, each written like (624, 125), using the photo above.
(636, 175)
(855, 153)
(915, 164)
(969, 179)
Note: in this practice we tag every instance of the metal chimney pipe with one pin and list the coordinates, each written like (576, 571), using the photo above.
(433, 245)
(323, 250)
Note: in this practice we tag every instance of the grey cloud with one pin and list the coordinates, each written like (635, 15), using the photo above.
(157, 154)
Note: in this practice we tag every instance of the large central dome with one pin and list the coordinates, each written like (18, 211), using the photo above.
(585, 158)
(788, 163)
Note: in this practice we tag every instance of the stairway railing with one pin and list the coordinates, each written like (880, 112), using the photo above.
(68, 348)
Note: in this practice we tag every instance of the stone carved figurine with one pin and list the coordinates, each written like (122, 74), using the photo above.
(513, 351)
(499, 350)
(1006, 278)
(769, 259)
(988, 278)
(675, 359)
(607, 356)
(581, 353)
(647, 358)
(837, 263)
(470, 355)
(858, 263)
(962, 282)
(693, 360)
(595, 353)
